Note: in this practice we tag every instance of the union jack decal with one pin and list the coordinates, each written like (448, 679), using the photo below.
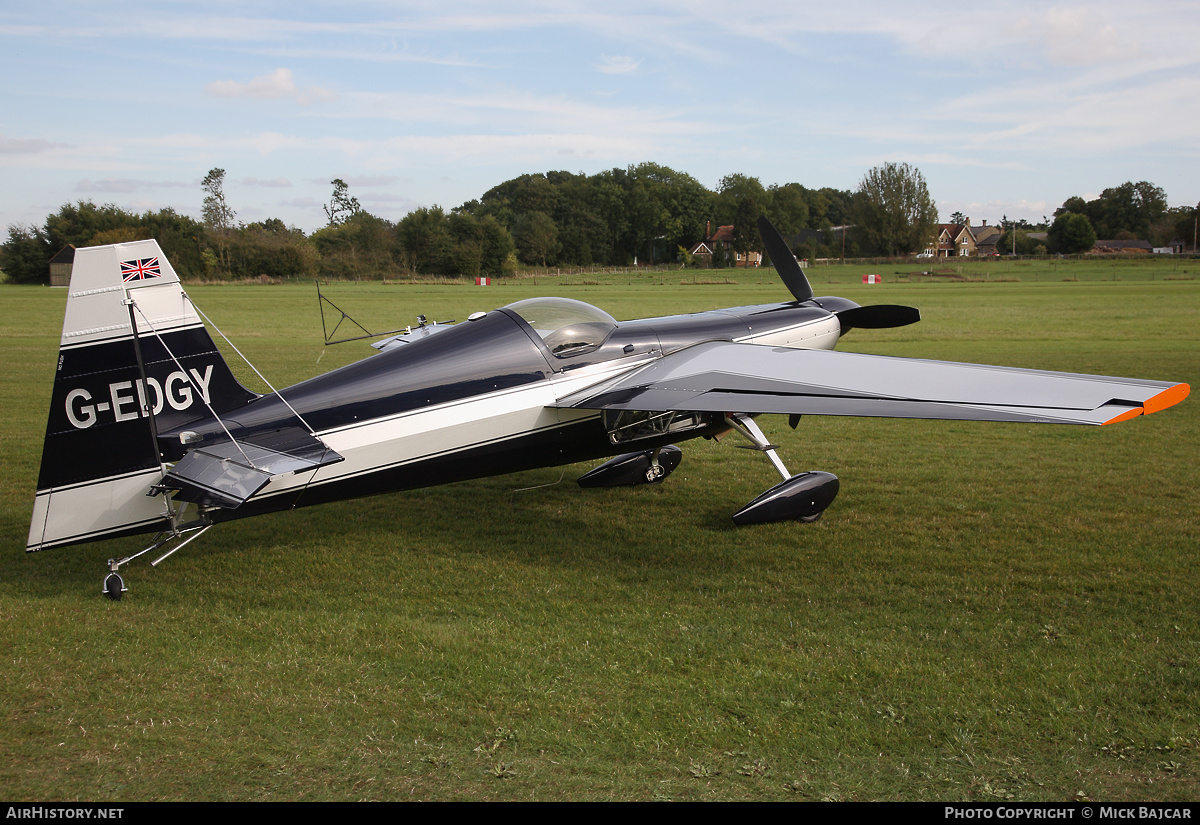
(141, 269)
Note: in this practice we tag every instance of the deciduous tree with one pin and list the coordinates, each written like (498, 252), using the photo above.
(787, 208)
(536, 237)
(25, 256)
(342, 206)
(893, 210)
(217, 214)
(745, 227)
(1071, 233)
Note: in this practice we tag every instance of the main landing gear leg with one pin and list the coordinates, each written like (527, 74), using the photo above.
(801, 497)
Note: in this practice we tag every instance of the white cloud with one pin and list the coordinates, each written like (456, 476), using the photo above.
(506, 111)
(1021, 99)
(610, 64)
(1074, 117)
(370, 180)
(300, 203)
(1078, 36)
(278, 85)
(26, 146)
(508, 149)
(274, 183)
(266, 143)
(125, 185)
(993, 211)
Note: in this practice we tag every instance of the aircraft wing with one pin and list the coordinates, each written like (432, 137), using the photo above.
(749, 378)
(227, 473)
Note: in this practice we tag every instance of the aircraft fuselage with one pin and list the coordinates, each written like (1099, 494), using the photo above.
(477, 399)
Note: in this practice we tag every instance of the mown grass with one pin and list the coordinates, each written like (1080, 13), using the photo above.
(986, 612)
(957, 270)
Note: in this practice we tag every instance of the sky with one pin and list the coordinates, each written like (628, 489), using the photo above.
(1007, 108)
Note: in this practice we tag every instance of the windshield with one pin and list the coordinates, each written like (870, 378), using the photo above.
(568, 327)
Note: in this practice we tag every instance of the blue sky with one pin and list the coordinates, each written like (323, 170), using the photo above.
(1007, 108)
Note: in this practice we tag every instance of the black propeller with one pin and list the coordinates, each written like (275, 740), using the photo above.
(878, 316)
(784, 261)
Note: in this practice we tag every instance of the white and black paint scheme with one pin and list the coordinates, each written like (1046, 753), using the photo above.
(149, 431)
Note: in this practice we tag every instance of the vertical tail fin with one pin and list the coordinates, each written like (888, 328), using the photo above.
(134, 353)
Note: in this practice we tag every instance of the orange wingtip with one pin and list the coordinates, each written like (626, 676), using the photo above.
(1167, 398)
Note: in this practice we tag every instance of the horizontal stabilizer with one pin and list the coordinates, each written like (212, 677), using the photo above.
(227, 473)
(724, 377)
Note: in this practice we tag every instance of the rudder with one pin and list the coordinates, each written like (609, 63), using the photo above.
(100, 455)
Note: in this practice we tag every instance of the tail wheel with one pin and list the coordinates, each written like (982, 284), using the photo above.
(114, 586)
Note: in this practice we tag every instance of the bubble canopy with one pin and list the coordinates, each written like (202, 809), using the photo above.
(566, 326)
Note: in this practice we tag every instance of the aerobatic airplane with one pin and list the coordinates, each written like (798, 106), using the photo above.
(149, 431)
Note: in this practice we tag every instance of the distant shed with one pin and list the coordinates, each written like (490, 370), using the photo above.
(60, 266)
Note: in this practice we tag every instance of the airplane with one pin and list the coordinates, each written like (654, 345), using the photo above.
(150, 432)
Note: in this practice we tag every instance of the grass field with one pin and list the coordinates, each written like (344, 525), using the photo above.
(987, 612)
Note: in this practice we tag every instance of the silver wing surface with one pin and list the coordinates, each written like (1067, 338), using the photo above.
(748, 378)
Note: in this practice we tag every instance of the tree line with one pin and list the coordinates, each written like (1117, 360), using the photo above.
(1131, 211)
(645, 214)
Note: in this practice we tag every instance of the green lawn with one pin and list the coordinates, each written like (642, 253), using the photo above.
(987, 612)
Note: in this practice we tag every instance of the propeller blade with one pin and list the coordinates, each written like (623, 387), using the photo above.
(878, 316)
(784, 261)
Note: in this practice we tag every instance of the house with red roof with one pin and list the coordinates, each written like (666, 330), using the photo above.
(723, 239)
